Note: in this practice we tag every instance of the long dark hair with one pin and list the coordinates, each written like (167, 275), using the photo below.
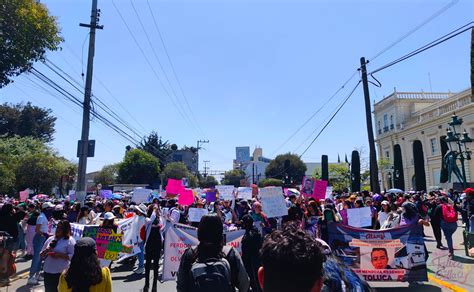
(84, 271)
(211, 239)
(65, 227)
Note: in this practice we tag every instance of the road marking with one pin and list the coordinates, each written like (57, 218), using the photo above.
(20, 276)
(446, 284)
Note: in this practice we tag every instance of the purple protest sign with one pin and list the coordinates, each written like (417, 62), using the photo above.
(106, 194)
(211, 196)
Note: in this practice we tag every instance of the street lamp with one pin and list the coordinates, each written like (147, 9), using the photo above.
(458, 144)
(389, 176)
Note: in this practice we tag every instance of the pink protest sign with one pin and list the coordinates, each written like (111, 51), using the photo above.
(174, 186)
(319, 191)
(24, 195)
(186, 197)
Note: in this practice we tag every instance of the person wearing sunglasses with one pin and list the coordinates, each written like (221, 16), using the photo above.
(57, 251)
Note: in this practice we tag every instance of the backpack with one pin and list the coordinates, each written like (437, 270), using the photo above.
(213, 274)
(449, 214)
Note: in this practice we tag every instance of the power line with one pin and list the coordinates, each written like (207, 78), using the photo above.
(155, 22)
(430, 45)
(183, 115)
(333, 116)
(410, 32)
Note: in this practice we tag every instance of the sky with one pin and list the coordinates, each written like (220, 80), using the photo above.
(252, 72)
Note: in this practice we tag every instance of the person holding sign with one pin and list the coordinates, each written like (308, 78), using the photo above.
(85, 273)
(153, 243)
(57, 251)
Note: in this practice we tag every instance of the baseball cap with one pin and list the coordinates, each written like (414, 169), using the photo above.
(109, 216)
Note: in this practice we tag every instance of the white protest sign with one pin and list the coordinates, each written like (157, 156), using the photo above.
(273, 202)
(195, 214)
(359, 217)
(244, 193)
(226, 192)
(81, 196)
(179, 237)
(329, 193)
(141, 195)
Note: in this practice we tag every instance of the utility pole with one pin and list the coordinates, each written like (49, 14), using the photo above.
(374, 172)
(253, 172)
(83, 145)
(199, 142)
(205, 167)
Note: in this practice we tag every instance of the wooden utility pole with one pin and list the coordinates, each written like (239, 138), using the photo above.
(374, 171)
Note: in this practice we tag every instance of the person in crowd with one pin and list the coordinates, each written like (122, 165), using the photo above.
(229, 269)
(373, 211)
(109, 221)
(329, 216)
(311, 218)
(30, 230)
(117, 210)
(57, 252)
(153, 245)
(140, 213)
(41, 234)
(410, 215)
(346, 204)
(435, 215)
(394, 217)
(449, 218)
(173, 212)
(259, 218)
(84, 273)
(73, 213)
(291, 254)
(83, 216)
(383, 213)
(242, 209)
(251, 244)
(9, 223)
(468, 208)
(108, 206)
(228, 213)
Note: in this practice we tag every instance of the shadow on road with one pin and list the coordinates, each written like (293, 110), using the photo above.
(463, 260)
(130, 278)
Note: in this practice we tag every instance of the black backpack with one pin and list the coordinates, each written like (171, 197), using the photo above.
(213, 274)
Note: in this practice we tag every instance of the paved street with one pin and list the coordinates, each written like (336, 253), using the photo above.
(442, 273)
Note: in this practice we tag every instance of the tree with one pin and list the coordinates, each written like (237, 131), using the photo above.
(26, 121)
(107, 175)
(270, 182)
(7, 180)
(175, 170)
(287, 167)
(208, 182)
(27, 32)
(155, 145)
(339, 177)
(233, 177)
(138, 167)
(355, 171)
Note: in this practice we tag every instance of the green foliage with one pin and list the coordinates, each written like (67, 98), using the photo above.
(107, 175)
(7, 180)
(269, 182)
(138, 167)
(233, 177)
(175, 170)
(208, 182)
(339, 176)
(155, 145)
(316, 174)
(26, 121)
(287, 167)
(27, 31)
(384, 163)
(193, 181)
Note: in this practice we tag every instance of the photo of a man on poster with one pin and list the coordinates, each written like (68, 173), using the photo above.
(307, 186)
(379, 258)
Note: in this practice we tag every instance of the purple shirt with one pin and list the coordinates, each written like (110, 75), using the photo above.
(58, 265)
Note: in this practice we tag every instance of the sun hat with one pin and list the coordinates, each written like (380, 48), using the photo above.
(141, 208)
(109, 216)
(47, 205)
(385, 203)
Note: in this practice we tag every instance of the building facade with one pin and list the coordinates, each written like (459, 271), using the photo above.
(187, 156)
(410, 129)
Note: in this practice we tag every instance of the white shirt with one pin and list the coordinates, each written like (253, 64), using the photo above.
(174, 215)
(43, 221)
(382, 217)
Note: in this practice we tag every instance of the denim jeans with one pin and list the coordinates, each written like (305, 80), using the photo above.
(471, 224)
(448, 229)
(38, 242)
(141, 255)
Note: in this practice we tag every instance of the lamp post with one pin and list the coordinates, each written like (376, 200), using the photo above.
(457, 144)
(390, 182)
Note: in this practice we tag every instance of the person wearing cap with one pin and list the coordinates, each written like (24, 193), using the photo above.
(84, 272)
(383, 213)
(109, 221)
(139, 222)
(41, 234)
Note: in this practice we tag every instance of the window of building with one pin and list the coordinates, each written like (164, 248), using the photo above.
(434, 146)
(387, 154)
(385, 121)
(391, 122)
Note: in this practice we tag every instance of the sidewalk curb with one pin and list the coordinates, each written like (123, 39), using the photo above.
(446, 284)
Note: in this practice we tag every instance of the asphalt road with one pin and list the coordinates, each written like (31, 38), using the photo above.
(442, 273)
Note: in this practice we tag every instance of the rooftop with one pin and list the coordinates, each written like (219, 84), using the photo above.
(418, 96)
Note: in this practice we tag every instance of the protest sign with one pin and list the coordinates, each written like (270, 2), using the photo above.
(319, 191)
(226, 192)
(359, 217)
(186, 197)
(273, 202)
(24, 195)
(179, 237)
(141, 195)
(174, 186)
(211, 196)
(396, 254)
(195, 214)
(72, 195)
(108, 242)
(105, 194)
(244, 193)
(80, 196)
(307, 186)
(329, 193)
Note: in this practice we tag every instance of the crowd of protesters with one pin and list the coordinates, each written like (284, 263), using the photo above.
(270, 246)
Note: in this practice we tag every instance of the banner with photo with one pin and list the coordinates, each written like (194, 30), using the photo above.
(179, 237)
(396, 254)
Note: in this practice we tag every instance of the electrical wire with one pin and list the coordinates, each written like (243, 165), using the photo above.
(410, 32)
(429, 45)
